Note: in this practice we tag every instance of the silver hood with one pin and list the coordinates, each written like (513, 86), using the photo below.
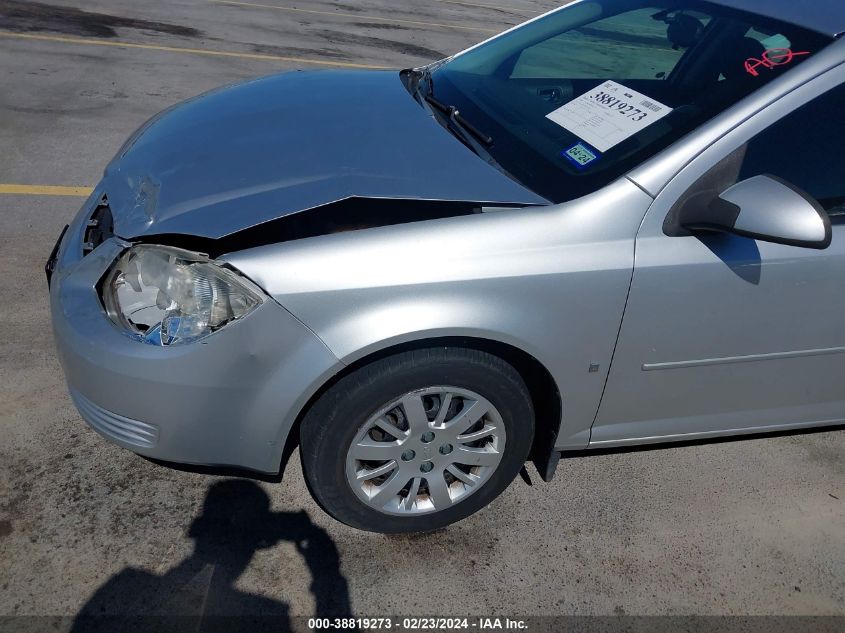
(259, 151)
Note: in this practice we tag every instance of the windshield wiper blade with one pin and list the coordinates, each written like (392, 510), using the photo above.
(456, 117)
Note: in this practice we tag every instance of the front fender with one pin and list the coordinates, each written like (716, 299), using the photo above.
(551, 281)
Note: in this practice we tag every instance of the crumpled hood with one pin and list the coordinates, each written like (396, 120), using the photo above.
(275, 146)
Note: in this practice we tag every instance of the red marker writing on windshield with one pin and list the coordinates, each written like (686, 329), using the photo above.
(772, 58)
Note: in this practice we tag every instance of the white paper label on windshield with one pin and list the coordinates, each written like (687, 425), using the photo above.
(608, 114)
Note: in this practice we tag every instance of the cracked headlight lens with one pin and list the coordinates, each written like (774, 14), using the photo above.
(169, 296)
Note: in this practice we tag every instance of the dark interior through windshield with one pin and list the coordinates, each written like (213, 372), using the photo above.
(577, 98)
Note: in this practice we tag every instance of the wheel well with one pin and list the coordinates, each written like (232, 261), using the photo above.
(545, 396)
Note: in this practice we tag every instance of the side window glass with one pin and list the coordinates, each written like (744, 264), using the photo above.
(805, 149)
(769, 41)
(802, 148)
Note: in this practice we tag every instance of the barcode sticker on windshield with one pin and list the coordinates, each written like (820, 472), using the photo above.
(608, 114)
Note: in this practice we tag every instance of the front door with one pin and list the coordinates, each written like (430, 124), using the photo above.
(724, 333)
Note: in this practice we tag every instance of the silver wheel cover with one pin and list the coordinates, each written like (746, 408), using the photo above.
(425, 451)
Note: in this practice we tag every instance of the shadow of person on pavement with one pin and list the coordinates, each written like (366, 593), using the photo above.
(199, 593)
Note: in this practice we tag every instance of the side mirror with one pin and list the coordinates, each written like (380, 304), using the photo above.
(764, 208)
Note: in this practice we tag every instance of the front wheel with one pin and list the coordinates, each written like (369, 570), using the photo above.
(416, 441)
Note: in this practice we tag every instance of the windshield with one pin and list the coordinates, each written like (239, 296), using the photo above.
(577, 98)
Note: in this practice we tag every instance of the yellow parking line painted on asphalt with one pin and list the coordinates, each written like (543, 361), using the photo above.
(486, 6)
(45, 190)
(357, 16)
(179, 49)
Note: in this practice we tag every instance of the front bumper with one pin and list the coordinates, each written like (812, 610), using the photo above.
(227, 400)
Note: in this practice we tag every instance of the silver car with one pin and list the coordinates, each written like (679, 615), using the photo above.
(616, 224)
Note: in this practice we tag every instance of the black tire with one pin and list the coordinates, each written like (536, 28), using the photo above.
(331, 424)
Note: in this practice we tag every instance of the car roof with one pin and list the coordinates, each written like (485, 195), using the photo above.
(823, 16)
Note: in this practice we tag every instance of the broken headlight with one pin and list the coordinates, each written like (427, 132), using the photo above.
(168, 296)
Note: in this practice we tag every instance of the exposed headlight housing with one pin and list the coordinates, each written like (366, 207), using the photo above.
(168, 296)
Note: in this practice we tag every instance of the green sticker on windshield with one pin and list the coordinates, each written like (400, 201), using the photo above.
(580, 155)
